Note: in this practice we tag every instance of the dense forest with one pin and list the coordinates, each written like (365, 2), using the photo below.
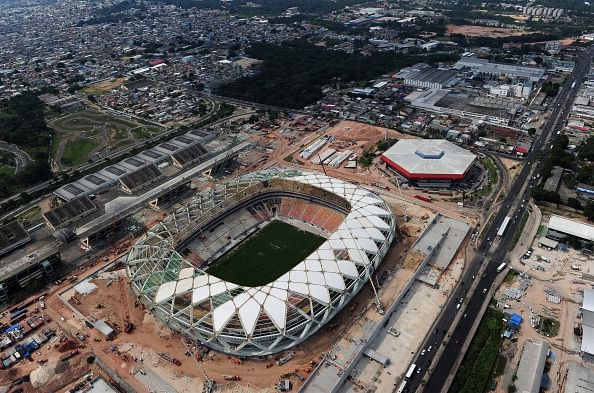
(22, 122)
(292, 74)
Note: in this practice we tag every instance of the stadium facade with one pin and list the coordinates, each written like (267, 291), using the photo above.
(429, 159)
(256, 321)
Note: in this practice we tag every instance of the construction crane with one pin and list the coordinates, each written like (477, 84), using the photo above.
(128, 325)
(209, 384)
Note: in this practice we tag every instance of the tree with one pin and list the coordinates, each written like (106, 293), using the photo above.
(574, 203)
(589, 210)
(531, 131)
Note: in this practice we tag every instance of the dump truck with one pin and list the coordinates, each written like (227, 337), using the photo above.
(231, 377)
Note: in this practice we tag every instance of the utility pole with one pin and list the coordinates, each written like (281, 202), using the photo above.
(322, 163)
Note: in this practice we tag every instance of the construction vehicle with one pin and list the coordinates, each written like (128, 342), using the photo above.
(284, 385)
(285, 359)
(128, 326)
(169, 358)
(69, 355)
(231, 377)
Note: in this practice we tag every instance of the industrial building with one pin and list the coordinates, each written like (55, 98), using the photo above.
(499, 70)
(69, 213)
(423, 75)
(138, 180)
(580, 379)
(566, 230)
(12, 236)
(588, 323)
(185, 150)
(429, 159)
(531, 367)
(442, 101)
(26, 273)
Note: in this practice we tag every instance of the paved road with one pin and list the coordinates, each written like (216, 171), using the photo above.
(513, 205)
(21, 157)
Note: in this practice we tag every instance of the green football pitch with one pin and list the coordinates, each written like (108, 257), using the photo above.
(266, 255)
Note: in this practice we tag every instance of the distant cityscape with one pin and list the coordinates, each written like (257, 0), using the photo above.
(291, 195)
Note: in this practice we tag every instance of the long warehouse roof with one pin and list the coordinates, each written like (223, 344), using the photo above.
(572, 227)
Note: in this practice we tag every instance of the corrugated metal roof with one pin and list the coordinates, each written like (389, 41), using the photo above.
(572, 227)
(531, 366)
(588, 303)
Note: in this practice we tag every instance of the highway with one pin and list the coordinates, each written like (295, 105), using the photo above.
(491, 254)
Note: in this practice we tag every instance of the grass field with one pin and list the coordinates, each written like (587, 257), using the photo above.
(266, 255)
(7, 170)
(77, 152)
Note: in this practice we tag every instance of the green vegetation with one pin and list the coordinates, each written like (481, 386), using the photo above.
(559, 157)
(384, 145)
(491, 168)
(22, 122)
(366, 158)
(266, 255)
(510, 276)
(500, 365)
(7, 170)
(474, 373)
(519, 230)
(140, 133)
(548, 327)
(293, 74)
(225, 110)
(550, 89)
(29, 215)
(77, 152)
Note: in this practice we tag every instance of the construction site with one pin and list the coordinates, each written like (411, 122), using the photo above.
(91, 324)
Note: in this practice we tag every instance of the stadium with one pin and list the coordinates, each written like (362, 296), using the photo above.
(257, 265)
(429, 160)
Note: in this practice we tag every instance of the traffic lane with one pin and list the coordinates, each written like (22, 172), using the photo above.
(460, 291)
(475, 300)
(471, 310)
(453, 345)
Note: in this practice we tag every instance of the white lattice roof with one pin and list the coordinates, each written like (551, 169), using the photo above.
(345, 255)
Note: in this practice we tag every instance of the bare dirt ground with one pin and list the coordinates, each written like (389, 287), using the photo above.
(104, 86)
(568, 282)
(359, 136)
(152, 336)
(483, 31)
(513, 167)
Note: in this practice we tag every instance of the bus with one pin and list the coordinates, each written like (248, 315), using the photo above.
(410, 371)
(402, 387)
(501, 267)
(503, 226)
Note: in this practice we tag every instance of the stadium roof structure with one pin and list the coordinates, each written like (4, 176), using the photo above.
(429, 159)
(255, 321)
